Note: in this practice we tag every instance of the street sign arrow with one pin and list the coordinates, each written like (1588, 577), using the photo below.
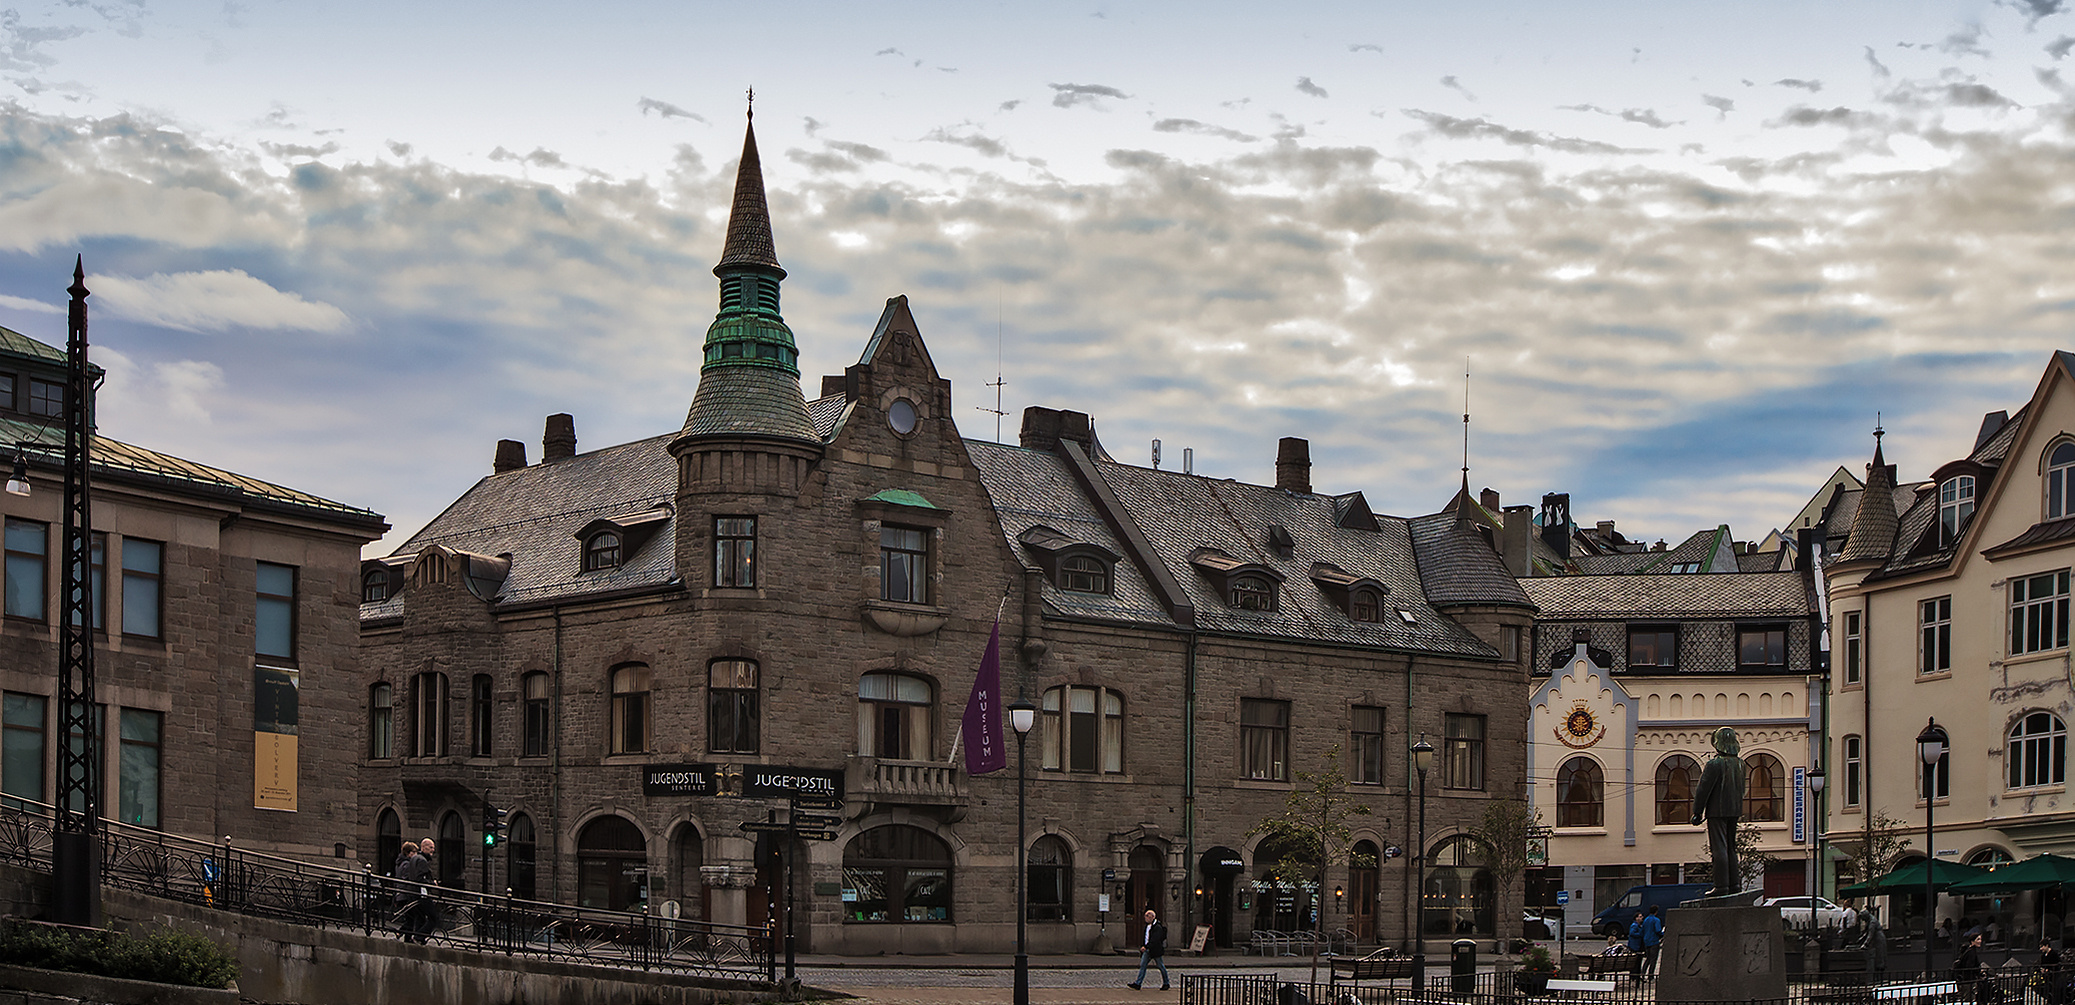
(813, 803)
(764, 827)
(817, 821)
(817, 835)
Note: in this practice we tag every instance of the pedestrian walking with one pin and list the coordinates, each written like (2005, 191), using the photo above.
(1653, 942)
(2048, 981)
(1967, 974)
(413, 870)
(1152, 951)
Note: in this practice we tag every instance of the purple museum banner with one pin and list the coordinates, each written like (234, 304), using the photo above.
(986, 749)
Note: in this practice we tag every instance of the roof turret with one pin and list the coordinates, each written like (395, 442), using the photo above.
(1873, 529)
(749, 383)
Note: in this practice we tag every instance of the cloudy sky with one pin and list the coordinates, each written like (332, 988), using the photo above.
(1686, 251)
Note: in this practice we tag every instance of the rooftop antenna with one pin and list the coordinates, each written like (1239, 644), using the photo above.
(1466, 422)
(1156, 453)
(752, 102)
(998, 380)
(1188, 460)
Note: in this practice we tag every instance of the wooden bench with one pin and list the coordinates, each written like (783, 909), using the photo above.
(1379, 969)
(1558, 985)
(1619, 964)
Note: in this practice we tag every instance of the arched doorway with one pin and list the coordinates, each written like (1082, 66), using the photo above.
(520, 870)
(453, 850)
(897, 873)
(1221, 868)
(612, 865)
(1461, 898)
(691, 877)
(388, 841)
(1284, 897)
(1049, 879)
(1362, 886)
(1145, 892)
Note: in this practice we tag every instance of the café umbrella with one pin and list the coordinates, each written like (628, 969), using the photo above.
(2040, 872)
(1910, 879)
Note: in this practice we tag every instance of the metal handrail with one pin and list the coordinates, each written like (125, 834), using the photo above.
(244, 881)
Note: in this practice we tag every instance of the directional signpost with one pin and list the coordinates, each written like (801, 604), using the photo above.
(817, 821)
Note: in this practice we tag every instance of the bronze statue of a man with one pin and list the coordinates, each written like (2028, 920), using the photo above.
(1720, 798)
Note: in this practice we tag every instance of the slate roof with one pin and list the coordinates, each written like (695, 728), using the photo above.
(749, 400)
(826, 413)
(1670, 595)
(749, 220)
(533, 513)
(2044, 532)
(1456, 566)
(116, 459)
(1914, 523)
(1180, 514)
(1610, 564)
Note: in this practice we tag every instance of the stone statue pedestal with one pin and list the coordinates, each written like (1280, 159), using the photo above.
(1723, 949)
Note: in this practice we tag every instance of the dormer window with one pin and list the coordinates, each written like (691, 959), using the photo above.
(1365, 606)
(1084, 574)
(374, 586)
(602, 551)
(1955, 507)
(1253, 593)
(2060, 467)
(1360, 597)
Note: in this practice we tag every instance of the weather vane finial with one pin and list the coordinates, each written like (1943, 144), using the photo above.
(752, 102)
(1878, 432)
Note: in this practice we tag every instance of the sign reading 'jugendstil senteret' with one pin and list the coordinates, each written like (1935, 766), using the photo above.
(755, 781)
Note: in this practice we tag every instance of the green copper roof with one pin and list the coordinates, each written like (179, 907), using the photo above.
(749, 379)
(902, 497)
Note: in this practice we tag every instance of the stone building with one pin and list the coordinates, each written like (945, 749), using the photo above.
(226, 642)
(1949, 600)
(637, 650)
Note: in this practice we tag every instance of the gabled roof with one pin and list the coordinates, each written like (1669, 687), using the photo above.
(1671, 595)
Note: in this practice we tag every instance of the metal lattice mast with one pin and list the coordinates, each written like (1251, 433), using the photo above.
(79, 756)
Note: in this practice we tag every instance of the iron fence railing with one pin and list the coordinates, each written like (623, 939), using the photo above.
(234, 879)
(2012, 986)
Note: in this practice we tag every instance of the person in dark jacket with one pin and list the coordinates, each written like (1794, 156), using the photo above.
(1153, 951)
(413, 872)
(1635, 934)
(1967, 973)
(2048, 980)
(1653, 942)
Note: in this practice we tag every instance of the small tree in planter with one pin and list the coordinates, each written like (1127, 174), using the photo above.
(1535, 970)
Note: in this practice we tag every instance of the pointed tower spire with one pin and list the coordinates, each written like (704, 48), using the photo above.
(1874, 526)
(749, 383)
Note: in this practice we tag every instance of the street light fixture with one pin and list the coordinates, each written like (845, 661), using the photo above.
(1022, 715)
(1422, 759)
(1930, 748)
(1816, 779)
(18, 479)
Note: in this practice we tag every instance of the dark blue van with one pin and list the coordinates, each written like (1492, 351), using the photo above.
(1615, 920)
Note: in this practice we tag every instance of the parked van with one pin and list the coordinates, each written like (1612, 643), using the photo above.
(1664, 897)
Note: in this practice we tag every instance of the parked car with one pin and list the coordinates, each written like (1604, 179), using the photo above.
(1534, 926)
(1663, 896)
(1807, 912)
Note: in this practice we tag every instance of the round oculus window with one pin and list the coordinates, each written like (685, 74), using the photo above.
(901, 416)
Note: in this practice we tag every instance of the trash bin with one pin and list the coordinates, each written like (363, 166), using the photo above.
(1462, 966)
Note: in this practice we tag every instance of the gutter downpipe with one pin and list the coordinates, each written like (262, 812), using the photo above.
(1189, 864)
(555, 764)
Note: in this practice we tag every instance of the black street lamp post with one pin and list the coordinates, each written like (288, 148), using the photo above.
(1930, 747)
(75, 850)
(1022, 714)
(1815, 780)
(1422, 759)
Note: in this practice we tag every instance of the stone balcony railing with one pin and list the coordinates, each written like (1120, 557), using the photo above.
(884, 782)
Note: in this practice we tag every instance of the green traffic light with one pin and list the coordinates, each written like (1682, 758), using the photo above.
(489, 840)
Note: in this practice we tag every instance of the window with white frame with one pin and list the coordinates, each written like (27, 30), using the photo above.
(2039, 613)
(2060, 464)
(1854, 757)
(893, 716)
(1853, 639)
(1264, 739)
(1935, 635)
(2037, 753)
(1955, 507)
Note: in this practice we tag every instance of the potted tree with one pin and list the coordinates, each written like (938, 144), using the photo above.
(1536, 968)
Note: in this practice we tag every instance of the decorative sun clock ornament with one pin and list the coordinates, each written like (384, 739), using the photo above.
(1580, 729)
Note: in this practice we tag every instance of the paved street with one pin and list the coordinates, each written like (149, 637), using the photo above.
(1086, 980)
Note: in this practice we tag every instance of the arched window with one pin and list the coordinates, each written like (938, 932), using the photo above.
(896, 873)
(602, 551)
(429, 714)
(1049, 880)
(1253, 593)
(1461, 896)
(535, 688)
(1084, 574)
(2038, 751)
(1285, 887)
(480, 711)
(388, 841)
(1363, 865)
(630, 709)
(453, 850)
(1676, 776)
(2059, 489)
(1764, 789)
(1578, 799)
(1365, 606)
(612, 865)
(1082, 730)
(519, 866)
(374, 586)
(893, 716)
(1955, 507)
(381, 721)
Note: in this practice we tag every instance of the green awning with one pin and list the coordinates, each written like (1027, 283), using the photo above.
(2040, 872)
(1911, 877)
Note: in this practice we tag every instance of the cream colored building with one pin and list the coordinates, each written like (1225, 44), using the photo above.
(1951, 602)
(1633, 672)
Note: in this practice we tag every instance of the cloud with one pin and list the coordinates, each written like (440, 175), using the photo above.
(1365, 47)
(1641, 116)
(399, 149)
(1964, 42)
(538, 158)
(1460, 128)
(2058, 48)
(213, 301)
(1802, 115)
(287, 151)
(1454, 85)
(665, 109)
(1203, 128)
(1072, 95)
(2034, 10)
(1810, 86)
(1009, 106)
(1873, 63)
(21, 45)
(986, 145)
(26, 304)
(1722, 106)
(188, 387)
(1305, 86)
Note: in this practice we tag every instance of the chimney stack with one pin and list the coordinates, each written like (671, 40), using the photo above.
(559, 442)
(1515, 538)
(1556, 524)
(511, 456)
(1293, 464)
(1489, 499)
(1043, 428)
